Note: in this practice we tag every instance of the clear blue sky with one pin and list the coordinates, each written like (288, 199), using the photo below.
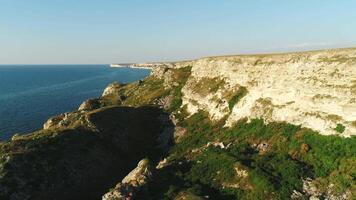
(105, 31)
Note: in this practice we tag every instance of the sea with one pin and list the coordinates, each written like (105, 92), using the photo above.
(30, 94)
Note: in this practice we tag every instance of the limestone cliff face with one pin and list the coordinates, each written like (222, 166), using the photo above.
(316, 90)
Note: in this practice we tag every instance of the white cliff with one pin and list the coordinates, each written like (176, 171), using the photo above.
(316, 90)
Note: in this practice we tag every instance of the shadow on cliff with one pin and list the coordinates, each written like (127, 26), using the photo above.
(83, 163)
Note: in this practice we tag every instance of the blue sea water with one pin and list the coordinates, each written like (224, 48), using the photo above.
(30, 94)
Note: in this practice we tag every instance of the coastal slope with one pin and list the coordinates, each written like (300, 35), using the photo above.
(275, 126)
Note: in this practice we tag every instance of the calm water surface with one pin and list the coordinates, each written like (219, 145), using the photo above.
(29, 95)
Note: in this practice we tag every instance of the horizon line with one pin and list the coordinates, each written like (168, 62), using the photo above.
(263, 52)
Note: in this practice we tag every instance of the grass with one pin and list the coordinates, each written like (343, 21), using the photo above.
(145, 93)
(294, 153)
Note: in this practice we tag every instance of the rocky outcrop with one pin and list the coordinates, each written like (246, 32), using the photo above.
(132, 183)
(84, 160)
(112, 89)
(56, 122)
(311, 190)
(90, 104)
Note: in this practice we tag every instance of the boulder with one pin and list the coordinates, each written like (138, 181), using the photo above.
(132, 183)
(54, 121)
(90, 104)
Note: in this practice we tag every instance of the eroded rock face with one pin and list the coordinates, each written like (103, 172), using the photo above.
(133, 182)
(316, 90)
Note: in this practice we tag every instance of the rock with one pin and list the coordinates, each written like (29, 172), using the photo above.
(132, 183)
(165, 138)
(15, 136)
(90, 104)
(314, 198)
(296, 195)
(164, 102)
(240, 182)
(159, 72)
(241, 173)
(140, 175)
(61, 121)
(54, 121)
(310, 188)
(216, 144)
(312, 191)
(112, 89)
(313, 89)
(179, 133)
(174, 119)
(262, 147)
(162, 164)
(331, 196)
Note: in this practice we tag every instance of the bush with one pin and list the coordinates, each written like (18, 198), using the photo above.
(340, 128)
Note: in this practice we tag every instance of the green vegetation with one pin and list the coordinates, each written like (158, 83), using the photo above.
(293, 153)
(181, 76)
(144, 93)
(236, 98)
(206, 85)
(150, 90)
(340, 128)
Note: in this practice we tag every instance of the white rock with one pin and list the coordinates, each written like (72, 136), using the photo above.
(316, 90)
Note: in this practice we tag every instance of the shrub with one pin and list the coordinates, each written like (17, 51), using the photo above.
(340, 128)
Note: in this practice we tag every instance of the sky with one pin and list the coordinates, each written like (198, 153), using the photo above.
(127, 31)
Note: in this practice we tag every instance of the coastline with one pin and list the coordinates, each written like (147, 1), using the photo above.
(175, 107)
(129, 66)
